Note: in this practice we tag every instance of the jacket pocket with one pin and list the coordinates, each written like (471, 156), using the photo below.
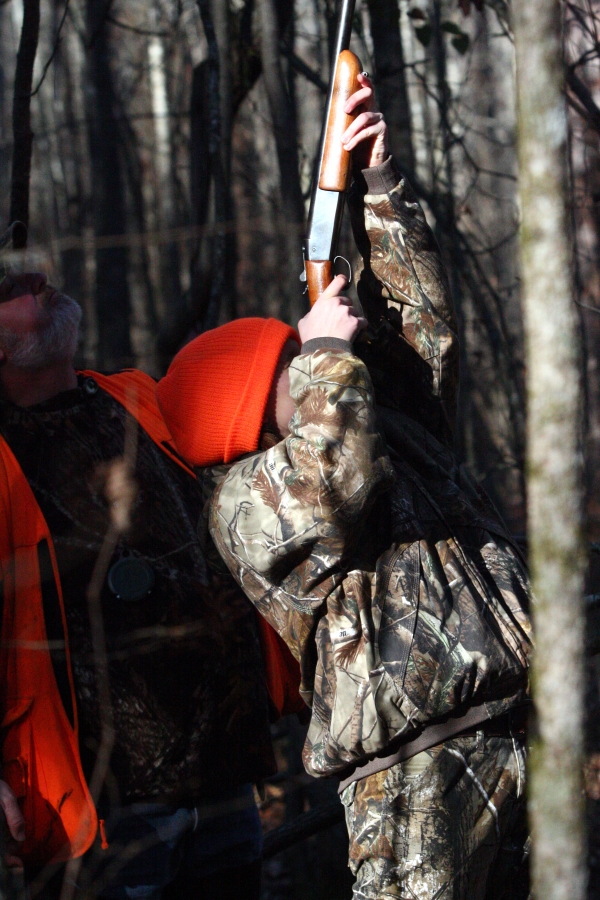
(372, 650)
(398, 600)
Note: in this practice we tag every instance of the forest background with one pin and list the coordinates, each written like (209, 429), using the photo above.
(174, 146)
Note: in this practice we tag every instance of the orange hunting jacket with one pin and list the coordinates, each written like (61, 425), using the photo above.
(40, 753)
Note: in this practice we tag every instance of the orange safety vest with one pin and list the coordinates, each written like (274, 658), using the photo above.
(41, 760)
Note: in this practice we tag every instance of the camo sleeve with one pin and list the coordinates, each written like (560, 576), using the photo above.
(285, 519)
(403, 288)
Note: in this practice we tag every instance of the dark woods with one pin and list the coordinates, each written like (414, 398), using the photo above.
(162, 153)
(173, 151)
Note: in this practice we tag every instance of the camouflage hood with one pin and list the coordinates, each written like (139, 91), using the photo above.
(361, 540)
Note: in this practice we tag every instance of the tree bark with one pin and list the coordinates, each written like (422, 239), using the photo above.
(220, 14)
(553, 456)
(199, 188)
(286, 141)
(168, 256)
(21, 117)
(390, 80)
(108, 198)
(208, 94)
(221, 17)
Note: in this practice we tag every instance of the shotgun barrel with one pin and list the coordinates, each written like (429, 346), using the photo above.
(333, 163)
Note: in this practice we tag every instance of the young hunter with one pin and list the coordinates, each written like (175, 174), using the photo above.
(358, 537)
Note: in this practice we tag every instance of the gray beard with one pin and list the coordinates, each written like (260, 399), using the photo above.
(55, 341)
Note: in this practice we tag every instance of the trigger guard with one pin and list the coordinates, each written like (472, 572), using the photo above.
(347, 263)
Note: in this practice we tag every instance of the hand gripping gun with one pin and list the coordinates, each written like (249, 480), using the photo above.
(327, 198)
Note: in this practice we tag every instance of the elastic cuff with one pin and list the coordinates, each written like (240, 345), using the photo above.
(381, 179)
(326, 343)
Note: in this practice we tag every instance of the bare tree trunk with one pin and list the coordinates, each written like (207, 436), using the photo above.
(72, 262)
(221, 17)
(286, 141)
(22, 133)
(220, 14)
(108, 198)
(199, 180)
(390, 79)
(164, 199)
(79, 264)
(331, 16)
(209, 92)
(553, 456)
(5, 55)
(143, 295)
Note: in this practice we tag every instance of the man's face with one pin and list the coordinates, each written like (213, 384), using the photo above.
(38, 324)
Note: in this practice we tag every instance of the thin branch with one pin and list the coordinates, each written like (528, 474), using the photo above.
(577, 13)
(21, 113)
(146, 32)
(590, 308)
(584, 96)
(54, 50)
(300, 66)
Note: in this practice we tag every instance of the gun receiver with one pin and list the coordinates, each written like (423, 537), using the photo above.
(327, 199)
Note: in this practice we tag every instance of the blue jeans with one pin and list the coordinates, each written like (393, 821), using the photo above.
(150, 845)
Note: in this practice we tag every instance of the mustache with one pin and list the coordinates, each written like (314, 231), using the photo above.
(51, 295)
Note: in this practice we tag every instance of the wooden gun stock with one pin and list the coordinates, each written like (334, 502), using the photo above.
(319, 275)
(335, 167)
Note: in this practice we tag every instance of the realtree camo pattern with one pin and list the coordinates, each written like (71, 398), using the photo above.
(404, 291)
(386, 573)
(454, 830)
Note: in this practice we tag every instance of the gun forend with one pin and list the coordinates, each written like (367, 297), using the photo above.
(319, 275)
(335, 163)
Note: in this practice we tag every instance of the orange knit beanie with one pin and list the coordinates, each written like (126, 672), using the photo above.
(214, 396)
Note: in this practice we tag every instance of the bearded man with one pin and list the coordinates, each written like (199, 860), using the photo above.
(189, 703)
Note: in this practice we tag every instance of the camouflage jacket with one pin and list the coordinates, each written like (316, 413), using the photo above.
(359, 538)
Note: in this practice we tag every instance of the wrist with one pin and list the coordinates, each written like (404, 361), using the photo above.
(326, 343)
(381, 179)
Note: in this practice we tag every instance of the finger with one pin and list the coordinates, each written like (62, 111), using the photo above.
(362, 121)
(332, 290)
(367, 133)
(365, 120)
(363, 96)
(10, 807)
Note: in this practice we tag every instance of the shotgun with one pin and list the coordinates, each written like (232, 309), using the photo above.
(333, 164)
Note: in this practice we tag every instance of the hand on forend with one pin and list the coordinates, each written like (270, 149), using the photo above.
(332, 315)
(366, 136)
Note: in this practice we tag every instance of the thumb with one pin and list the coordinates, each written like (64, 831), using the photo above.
(10, 808)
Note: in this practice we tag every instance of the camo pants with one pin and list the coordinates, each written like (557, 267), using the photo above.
(448, 824)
